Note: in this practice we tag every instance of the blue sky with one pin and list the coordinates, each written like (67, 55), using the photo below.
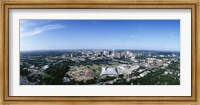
(100, 34)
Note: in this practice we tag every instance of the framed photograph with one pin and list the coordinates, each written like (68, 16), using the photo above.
(100, 52)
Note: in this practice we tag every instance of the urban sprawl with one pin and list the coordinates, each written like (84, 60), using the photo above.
(99, 67)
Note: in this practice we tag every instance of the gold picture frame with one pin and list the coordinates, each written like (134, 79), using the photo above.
(5, 99)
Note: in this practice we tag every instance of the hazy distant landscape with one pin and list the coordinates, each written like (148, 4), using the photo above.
(99, 52)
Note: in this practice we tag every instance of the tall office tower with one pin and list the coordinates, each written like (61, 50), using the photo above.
(113, 52)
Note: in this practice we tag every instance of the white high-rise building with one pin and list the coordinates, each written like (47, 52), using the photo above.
(113, 53)
(127, 53)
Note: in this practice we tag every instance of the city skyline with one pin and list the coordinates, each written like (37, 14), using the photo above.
(161, 35)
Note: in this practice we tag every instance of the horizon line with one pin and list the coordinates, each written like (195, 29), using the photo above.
(102, 49)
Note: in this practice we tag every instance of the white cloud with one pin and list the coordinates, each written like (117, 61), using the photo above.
(25, 24)
(39, 30)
